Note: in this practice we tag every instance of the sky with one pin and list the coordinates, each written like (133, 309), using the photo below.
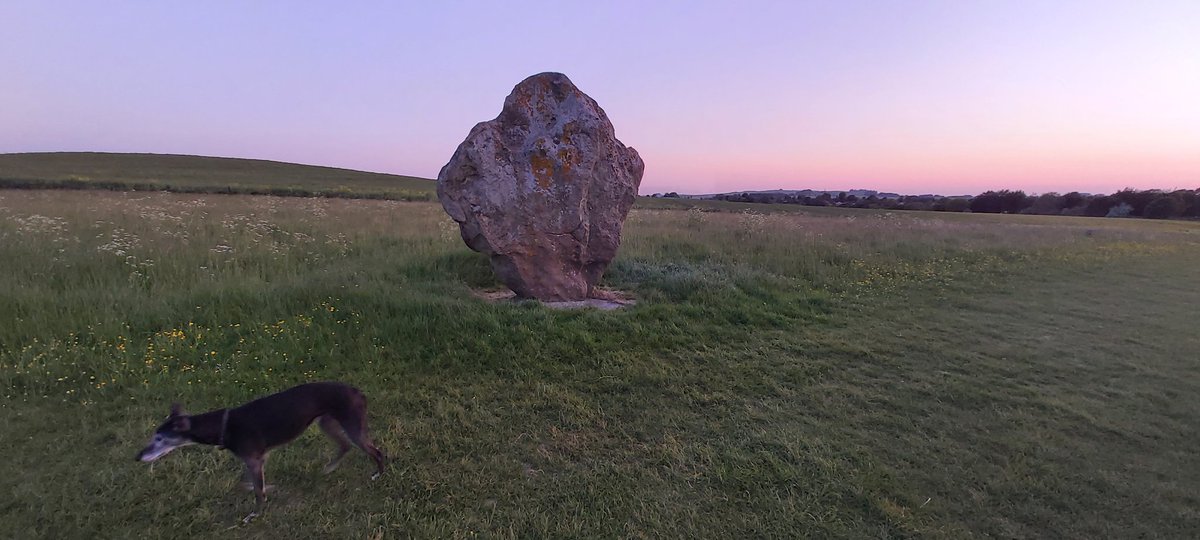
(950, 97)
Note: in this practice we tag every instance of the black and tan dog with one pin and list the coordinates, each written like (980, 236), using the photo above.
(252, 430)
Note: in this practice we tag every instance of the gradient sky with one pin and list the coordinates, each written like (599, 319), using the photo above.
(951, 97)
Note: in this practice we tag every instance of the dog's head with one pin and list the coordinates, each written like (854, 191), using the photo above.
(173, 433)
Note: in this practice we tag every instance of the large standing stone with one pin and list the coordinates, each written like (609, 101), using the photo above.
(543, 189)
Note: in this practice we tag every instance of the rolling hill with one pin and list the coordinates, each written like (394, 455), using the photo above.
(201, 174)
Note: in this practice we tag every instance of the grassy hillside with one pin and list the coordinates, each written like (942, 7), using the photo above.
(843, 374)
(199, 174)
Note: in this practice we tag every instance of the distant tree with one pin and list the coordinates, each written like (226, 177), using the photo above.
(1003, 201)
(1047, 204)
(1191, 202)
(1098, 206)
(671, 195)
(916, 202)
(1015, 201)
(888, 203)
(988, 202)
(1074, 199)
(821, 200)
(1137, 200)
(1165, 207)
(952, 204)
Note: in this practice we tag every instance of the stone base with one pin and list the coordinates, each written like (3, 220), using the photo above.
(602, 299)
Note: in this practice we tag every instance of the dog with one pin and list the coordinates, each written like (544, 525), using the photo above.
(253, 429)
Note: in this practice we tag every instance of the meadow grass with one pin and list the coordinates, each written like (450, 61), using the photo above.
(824, 373)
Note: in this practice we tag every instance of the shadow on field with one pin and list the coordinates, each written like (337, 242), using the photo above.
(470, 268)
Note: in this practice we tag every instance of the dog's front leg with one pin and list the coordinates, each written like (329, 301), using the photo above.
(254, 472)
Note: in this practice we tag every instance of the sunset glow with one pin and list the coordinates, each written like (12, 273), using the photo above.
(912, 97)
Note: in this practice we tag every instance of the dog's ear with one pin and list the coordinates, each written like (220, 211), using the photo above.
(182, 423)
(176, 410)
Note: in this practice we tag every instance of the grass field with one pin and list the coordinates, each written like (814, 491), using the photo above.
(201, 174)
(806, 373)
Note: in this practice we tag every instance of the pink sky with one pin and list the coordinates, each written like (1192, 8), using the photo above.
(915, 97)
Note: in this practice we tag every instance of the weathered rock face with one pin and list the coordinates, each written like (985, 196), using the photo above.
(543, 189)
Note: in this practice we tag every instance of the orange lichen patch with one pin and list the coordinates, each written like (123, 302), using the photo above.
(522, 100)
(543, 170)
(566, 159)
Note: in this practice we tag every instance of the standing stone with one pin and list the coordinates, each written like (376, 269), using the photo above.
(543, 189)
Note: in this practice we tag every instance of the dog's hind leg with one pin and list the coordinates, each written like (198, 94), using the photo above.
(334, 430)
(356, 428)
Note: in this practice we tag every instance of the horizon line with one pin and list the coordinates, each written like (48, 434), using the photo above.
(417, 177)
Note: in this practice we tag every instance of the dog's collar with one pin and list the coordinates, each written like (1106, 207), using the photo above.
(224, 423)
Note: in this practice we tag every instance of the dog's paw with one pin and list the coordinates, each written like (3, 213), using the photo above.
(330, 467)
(249, 486)
(249, 517)
(376, 476)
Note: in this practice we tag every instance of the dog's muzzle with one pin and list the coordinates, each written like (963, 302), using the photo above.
(159, 446)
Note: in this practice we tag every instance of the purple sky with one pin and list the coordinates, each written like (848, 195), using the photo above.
(916, 97)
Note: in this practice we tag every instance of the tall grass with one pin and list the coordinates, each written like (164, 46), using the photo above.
(122, 277)
(747, 394)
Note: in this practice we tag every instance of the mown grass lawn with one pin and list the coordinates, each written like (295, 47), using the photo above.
(827, 374)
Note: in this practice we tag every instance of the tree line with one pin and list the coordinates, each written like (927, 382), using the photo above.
(1152, 203)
